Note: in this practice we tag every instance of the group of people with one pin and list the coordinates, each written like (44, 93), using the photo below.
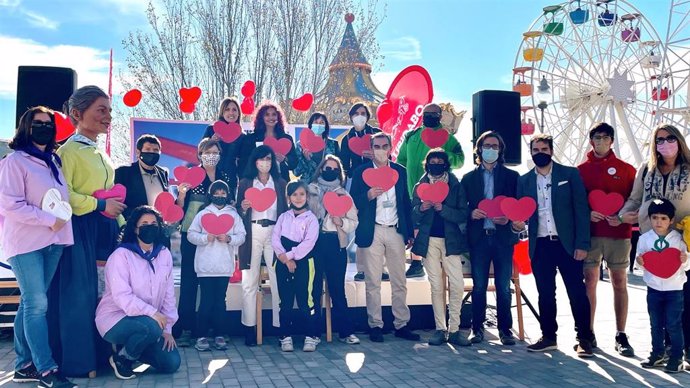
(69, 322)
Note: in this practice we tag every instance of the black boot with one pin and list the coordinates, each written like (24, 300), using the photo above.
(249, 335)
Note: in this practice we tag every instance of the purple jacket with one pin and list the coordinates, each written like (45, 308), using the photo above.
(24, 226)
(303, 229)
(132, 289)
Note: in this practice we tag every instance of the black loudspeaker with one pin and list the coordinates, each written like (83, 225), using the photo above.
(499, 111)
(47, 86)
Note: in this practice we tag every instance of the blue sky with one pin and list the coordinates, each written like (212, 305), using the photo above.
(466, 46)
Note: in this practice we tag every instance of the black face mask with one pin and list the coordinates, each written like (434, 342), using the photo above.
(541, 159)
(436, 169)
(431, 120)
(219, 201)
(329, 175)
(293, 207)
(150, 158)
(43, 133)
(148, 233)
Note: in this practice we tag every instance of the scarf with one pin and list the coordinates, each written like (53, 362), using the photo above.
(324, 187)
(442, 178)
(51, 159)
(148, 256)
(78, 137)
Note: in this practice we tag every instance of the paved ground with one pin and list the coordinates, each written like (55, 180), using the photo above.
(402, 363)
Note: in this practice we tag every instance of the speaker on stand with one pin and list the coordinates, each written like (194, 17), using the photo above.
(499, 111)
(41, 85)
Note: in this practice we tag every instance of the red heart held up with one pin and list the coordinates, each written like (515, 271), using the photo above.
(63, 126)
(360, 144)
(228, 132)
(434, 138)
(383, 177)
(190, 95)
(247, 106)
(117, 191)
(303, 103)
(433, 192)
(217, 225)
(384, 111)
(191, 175)
(261, 199)
(662, 264)
(279, 146)
(187, 107)
(165, 204)
(518, 210)
(132, 98)
(492, 207)
(606, 204)
(310, 141)
(248, 89)
(337, 205)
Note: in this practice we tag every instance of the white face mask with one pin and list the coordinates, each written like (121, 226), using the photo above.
(210, 160)
(264, 166)
(359, 121)
(381, 156)
(318, 129)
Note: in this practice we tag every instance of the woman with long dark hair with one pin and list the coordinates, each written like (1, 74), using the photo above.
(308, 161)
(228, 112)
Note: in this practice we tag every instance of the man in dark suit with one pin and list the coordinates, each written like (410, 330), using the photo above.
(558, 239)
(143, 179)
(385, 227)
(490, 239)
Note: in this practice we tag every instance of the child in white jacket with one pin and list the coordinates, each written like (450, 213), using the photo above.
(214, 263)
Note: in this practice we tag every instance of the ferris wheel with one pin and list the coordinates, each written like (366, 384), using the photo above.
(583, 62)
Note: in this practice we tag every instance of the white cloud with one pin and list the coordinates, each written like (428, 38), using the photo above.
(129, 7)
(383, 79)
(10, 3)
(40, 21)
(405, 48)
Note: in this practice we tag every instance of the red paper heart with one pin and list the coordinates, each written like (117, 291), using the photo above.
(165, 204)
(132, 98)
(433, 192)
(279, 146)
(192, 175)
(337, 205)
(63, 126)
(187, 107)
(606, 204)
(261, 199)
(228, 132)
(434, 138)
(518, 210)
(360, 144)
(303, 103)
(117, 191)
(492, 207)
(190, 95)
(248, 89)
(662, 264)
(310, 141)
(247, 106)
(383, 177)
(521, 257)
(384, 111)
(217, 225)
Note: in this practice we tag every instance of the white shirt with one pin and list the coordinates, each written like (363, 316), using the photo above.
(272, 212)
(386, 207)
(547, 225)
(676, 281)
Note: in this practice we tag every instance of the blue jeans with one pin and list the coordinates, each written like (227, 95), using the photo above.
(143, 341)
(34, 272)
(486, 250)
(665, 311)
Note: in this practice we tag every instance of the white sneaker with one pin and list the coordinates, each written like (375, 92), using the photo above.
(310, 343)
(350, 339)
(286, 344)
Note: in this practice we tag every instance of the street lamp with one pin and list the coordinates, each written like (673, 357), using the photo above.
(542, 106)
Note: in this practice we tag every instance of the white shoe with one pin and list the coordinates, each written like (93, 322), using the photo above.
(310, 343)
(286, 344)
(350, 339)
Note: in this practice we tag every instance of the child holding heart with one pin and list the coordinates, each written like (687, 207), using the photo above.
(665, 277)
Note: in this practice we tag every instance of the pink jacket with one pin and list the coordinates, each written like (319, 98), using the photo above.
(302, 229)
(24, 226)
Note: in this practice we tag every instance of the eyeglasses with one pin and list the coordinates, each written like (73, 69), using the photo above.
(490, 146)
(433, 114)
(210, 153)
(331, 169)
(601, 137)
(667, 139)
(42, 124)
(382, 147)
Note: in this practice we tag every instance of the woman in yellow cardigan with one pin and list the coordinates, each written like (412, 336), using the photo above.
(74, 291)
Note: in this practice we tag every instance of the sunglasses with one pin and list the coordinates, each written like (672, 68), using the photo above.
(667, 139)
(42, 124)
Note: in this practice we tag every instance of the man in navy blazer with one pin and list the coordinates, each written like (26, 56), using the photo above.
(558, 239)
(384, 230)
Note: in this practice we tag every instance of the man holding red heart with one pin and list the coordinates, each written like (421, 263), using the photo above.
(610, 238)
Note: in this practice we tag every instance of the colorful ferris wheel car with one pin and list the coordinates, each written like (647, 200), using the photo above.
(520, 85)
(552, 27)
(532, 53)
(579, 15)
(606, 18)
(630, 33)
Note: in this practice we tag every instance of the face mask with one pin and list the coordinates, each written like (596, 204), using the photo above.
(318, 129)
(148, 233)
(667, 149)
(330, 175)
(149, 158)
(436, 169)
(264, 166)
(210, 160)
(489, 155)
(381, 156)
(431, 120)
(293, 207)
(359, 121)
(43, 134)
(219, 200)
(541, 159)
